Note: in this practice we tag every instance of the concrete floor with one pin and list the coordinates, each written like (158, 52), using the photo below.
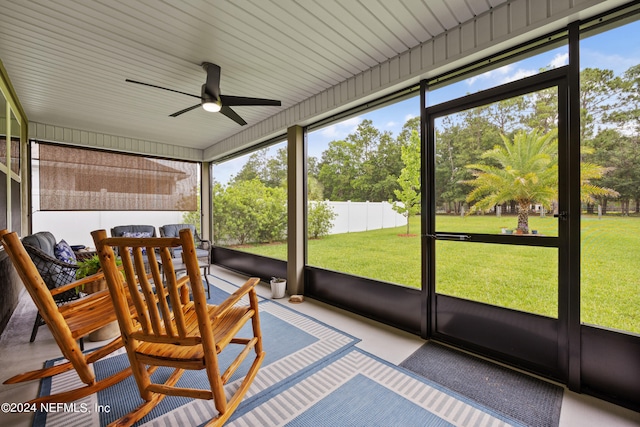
(18, 355)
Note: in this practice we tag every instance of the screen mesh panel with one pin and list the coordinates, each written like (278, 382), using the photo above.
(82, 179)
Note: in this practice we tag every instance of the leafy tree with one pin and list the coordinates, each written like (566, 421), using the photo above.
(590, 172)
(527, 173)
(320, 218)
(338, 168)
(543, 107)
(599, 90)
(363, 166)
(411, 125)
(313, 169)
(220, 213)
(460, 140)
(381, 170)
(505, 115)
(315, 191)
(621, 145)
(249, 212)
(622, 156)
(272, 220)
(235, 213)
(270, 170)
(275, 170)
(448, 171)
(409, 193)
(253, 167)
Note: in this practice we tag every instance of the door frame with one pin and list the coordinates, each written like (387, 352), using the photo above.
(530, 341)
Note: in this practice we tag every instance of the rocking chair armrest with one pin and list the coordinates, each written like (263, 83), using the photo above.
(77, 283)
(77, 304)
(235, 297)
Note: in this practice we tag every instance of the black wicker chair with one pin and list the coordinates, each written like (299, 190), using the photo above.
(55, 273)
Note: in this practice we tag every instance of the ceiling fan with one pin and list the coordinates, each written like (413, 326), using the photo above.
(212, 100)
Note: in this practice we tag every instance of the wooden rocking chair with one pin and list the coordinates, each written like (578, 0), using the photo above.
(67, 323)
(178, 333)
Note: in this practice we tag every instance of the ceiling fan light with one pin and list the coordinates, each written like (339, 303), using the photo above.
(212, 107)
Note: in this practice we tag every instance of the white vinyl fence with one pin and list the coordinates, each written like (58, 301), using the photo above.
(364, 216)
(75, 227)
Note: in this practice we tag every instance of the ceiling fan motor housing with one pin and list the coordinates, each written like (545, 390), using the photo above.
(209, 102)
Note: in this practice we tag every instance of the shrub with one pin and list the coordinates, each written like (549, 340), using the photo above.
(320, 218)
(249, 212)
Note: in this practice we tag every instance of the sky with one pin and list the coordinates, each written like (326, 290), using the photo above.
(609, 50)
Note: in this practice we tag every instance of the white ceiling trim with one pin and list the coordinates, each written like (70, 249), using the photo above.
(65, 135)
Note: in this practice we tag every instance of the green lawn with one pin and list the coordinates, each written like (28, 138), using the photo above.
(518, 277)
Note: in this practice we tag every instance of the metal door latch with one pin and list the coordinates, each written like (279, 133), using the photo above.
(561, 215)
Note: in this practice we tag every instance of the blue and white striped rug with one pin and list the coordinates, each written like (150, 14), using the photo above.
(293, 342)
(359, 389)
(312, 376)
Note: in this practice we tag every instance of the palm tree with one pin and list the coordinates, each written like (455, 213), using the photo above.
(524, 170)
(588, 172)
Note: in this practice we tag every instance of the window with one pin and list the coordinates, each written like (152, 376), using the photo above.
(76, 191)
(72, 179)
(250, 202)
(15, 145)
(610, 141)
(10, 150)
(363, 181)
(3, 160)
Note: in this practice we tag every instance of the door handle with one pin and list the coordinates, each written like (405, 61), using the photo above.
(561, 215)
(447, 236)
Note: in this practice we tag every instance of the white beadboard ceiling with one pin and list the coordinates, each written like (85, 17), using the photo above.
(68, 60)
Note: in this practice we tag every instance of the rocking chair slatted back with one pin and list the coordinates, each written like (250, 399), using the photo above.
(157, 294)
(175, 330)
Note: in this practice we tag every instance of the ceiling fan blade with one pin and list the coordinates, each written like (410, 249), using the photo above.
(213, 79)
(160, 87)
(232, 115)
(176, 114)
(243, 100)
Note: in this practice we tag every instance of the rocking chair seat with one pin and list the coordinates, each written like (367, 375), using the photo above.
(80, 317)
(223, 333)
